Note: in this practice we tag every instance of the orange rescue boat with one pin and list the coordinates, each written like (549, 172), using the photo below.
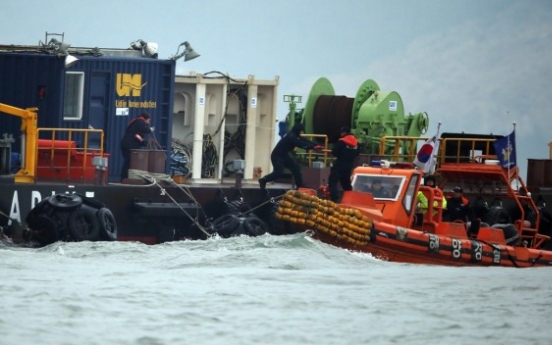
(390, 226)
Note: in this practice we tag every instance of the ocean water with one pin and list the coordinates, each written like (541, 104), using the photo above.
(264, 290)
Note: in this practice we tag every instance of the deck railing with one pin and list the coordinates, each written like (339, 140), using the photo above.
(67, 153)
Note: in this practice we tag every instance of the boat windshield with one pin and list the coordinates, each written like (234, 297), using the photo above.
(381, 187)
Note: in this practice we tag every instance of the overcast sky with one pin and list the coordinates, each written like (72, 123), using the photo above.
(474, 65)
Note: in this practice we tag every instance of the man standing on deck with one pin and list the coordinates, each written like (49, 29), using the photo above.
(281, 158)
(345, 150)
(134, 139)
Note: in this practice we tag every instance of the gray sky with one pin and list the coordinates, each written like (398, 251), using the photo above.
(473, 65)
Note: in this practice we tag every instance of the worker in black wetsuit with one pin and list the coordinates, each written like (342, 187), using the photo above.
(345, 150)
(458, 207)
(281, 157)
(134, 139)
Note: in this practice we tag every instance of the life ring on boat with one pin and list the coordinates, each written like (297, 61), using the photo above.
(83, 224)
(225, 224)
(254, 226)
(107, 223)
(45, 230)
(65, 202)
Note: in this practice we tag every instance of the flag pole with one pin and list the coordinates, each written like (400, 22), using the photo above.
(515, 151)
(510, 156)
(435, 152)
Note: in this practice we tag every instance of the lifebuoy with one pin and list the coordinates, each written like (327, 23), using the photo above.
(83, 224)
(225, 224)
(254, 226)
(65, 202)
(45, 230)
(107, 223)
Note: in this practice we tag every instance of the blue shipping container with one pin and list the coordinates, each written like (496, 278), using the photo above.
(103, 92)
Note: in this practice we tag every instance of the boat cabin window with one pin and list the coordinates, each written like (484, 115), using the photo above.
(73, 99)
(381, 187)
(409, 198)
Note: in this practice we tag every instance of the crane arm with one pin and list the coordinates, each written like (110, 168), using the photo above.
(29, 130)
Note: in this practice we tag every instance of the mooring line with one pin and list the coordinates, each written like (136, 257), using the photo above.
(164, 191)
(188, 193)
(15, 221)
(271, 200)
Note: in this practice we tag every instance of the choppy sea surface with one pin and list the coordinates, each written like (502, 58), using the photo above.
(264, 290)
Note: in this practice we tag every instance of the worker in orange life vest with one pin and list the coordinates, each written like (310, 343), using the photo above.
(134, 139)
(345, 150)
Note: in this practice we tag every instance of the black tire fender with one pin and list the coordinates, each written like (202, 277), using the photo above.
(65, 202)
(41, 207)
(45, 230)
(225, 224)
(83, 224)
(254, 226)
(107, 223)
(240, 230)
(91, 202)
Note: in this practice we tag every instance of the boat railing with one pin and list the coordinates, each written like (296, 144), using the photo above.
(70, 154)
(399, 148)
(450, 150)
(466, 150)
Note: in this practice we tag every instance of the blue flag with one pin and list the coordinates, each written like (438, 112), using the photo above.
(506, 150)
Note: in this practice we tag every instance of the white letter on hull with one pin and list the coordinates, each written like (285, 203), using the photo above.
(14, 209)
(35, 198)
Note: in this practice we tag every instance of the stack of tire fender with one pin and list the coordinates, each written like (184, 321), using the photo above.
(311, 212)
(231, 225)
(72, 218)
